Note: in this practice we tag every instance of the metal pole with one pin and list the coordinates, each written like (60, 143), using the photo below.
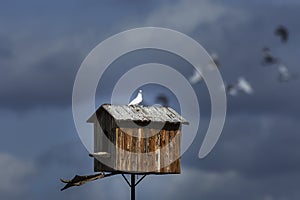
(132, 186)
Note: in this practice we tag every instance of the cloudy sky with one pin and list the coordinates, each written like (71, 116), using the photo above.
(43, 43)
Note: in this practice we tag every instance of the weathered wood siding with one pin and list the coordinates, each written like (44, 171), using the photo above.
(104, 141)
(153, 151)
(136, 150)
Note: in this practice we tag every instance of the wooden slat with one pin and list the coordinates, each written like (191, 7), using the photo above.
(128, 157)
(152, 150)
(163, 150)
(138, 154)
(146, 150)
(118, 153)
(134, 151)
(157, 151)
(172, 153)
(177, 150)
(140, 150)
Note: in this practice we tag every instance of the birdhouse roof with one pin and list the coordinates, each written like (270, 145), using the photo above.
(141, 113)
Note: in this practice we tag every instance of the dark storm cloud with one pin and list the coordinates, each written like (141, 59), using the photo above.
(71, 154)
(255, 146)
(55, 72)
(5, 48)
(50, 40)
(257, 153)
(239, 47)
(49, 82)
(257, 156)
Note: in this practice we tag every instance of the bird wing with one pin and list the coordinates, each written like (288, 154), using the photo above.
(283, 33)
(244, 85)
(196, 77)
(136, 100)
(284, 74)
(215, 58)
(231, 89)
(163, 99)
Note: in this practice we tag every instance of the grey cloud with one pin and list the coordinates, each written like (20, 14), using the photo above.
(6, 49)
(257, 156)
(254, 146)
(15, 173)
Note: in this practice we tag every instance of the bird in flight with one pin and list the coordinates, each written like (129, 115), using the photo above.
(268, 58)
(282, 32)
(284, 74)
(163, 99)
(196, 77)
(231, 90)
(137, 100)
(244, 85)
(241, 85)
(215, 58)
(215, 61)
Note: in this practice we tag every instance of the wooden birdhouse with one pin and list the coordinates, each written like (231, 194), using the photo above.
(137, 139)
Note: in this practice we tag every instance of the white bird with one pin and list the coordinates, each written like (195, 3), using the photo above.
(284, 74)
(215, 62)
(241, 85)
(215, 58)
(137, 100)
(231, 89)
(244, 85)
(197, 77)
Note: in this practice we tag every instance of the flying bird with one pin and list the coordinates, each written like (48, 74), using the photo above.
(196, 77)
(244, 85)
(215, 58)
(163, 99)
(284, 74)
(137, 100)
(231, 90)
(268, 58)
(241, 85)
(282, 32)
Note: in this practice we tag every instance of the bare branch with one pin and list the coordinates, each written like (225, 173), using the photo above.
(80, 180)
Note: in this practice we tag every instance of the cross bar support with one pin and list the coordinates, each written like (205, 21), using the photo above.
(132, 184)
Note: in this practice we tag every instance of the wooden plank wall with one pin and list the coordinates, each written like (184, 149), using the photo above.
(100, 142)
(144, 154)
(141, 154)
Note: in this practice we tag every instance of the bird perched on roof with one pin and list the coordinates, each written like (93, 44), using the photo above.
(137, 100)
(268, 58)
(282, 32)
(242, 85)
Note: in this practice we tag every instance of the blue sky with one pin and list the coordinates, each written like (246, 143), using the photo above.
(42, 44)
